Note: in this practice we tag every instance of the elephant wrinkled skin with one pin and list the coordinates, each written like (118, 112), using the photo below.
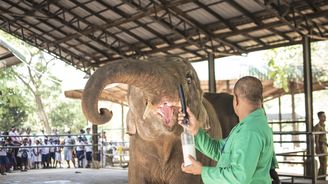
(155, 145)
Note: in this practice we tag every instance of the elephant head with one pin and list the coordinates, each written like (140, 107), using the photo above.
(153, 94)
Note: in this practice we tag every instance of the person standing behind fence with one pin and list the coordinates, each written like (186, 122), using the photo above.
(58, 150)
(37, 154)
(3, 157)
(80, 152)
(88, 149)
(45, 151)
(321, 143)
(23, 153)
(68, 149)
(52, 153)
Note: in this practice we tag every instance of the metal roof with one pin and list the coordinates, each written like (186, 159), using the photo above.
(90, 33)
(7, 58)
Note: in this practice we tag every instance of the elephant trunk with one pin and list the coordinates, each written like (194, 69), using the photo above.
(131, 72)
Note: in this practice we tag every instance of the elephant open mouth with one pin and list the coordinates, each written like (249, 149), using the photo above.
(168, 113)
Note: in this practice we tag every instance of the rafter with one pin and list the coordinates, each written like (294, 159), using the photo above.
(121, 21)
(255, 20)
(199, 28)
(225, 22)
(270, 25)
(37, 40)
(283, 19)
(146, 27)
(54, 28)
(106, 32)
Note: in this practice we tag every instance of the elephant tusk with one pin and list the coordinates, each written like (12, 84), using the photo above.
(148, 109)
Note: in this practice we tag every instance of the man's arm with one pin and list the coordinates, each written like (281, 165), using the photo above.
(316, 139)
(208, 146)
(242, 161)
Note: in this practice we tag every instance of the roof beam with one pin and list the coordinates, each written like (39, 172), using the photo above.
(30, 13)
(54, 28)
(121, 21)
(161, 21)
(255, 20)
(226, 22)
(169, 42)
(283, 19)
(37, 40)
(92, 37)
(269, 25)
(199, 28)
(107, 33)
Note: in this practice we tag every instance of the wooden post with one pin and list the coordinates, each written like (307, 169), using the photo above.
(95, 152)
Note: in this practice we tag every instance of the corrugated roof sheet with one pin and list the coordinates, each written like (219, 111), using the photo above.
(88, 34)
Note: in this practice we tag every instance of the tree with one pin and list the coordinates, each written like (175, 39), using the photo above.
(286, 70)
(68, 114)
(13, 108)
(39, 87)
(35, 76)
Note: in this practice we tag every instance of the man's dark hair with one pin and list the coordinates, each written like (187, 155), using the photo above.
(250, 88)
(320, 113)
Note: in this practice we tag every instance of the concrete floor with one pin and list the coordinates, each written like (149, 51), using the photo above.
(85, 176)
(67, 176)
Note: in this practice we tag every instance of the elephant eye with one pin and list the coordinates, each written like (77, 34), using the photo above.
(188, 78)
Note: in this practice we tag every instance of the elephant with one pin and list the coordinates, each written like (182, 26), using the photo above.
(155, 146)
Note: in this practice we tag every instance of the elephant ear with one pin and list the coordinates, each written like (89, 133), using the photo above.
(212, 123)
(131, 124)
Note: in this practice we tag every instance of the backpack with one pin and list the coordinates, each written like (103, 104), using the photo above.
(24, 154)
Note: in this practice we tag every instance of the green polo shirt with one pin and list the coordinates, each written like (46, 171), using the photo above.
(244, 157)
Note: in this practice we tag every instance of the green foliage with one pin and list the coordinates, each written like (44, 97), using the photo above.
(32, 79)
(13, 108)
(68, 115)
(286, 64)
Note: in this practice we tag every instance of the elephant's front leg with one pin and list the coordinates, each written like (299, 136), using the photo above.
(137, 174)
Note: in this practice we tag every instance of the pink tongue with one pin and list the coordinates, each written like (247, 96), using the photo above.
(167, 112)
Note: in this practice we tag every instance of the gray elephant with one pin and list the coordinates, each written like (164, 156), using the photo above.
(155, 145)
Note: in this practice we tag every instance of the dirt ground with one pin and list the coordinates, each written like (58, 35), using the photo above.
(67, 176)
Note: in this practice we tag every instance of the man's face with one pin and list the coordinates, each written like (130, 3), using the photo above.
(322, 118)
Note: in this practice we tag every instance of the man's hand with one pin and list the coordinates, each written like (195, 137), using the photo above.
(195, 168)
(193, 125)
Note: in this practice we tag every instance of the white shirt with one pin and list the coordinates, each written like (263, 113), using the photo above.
(3, 151)
(45, 150)
(79, 146)
(11, 133)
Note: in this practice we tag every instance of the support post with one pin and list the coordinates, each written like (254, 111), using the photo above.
(122, 112)
(211, 73)
(280, 119)
(310, 166)
(95, 151)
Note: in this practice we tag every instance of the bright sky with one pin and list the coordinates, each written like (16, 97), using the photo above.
(226, 68)
(230, 67)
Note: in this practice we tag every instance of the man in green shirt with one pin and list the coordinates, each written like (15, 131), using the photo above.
(246, 155)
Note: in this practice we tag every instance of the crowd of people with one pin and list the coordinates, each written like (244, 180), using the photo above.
(19, 150)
